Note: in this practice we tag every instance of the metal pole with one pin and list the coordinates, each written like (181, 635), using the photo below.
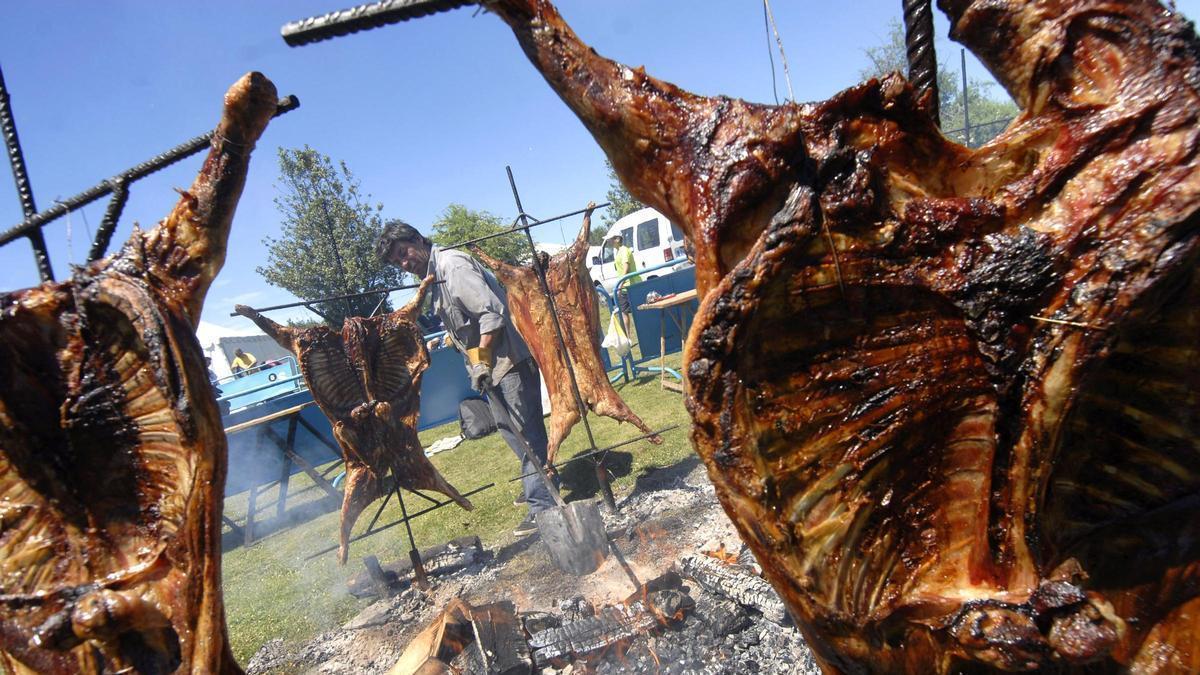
(120, 195)
(16, 158)
(413, 554)
(966, 104)
(306, 303)
(362, 17)
(601, 474)
(364, 535)
(919, 44)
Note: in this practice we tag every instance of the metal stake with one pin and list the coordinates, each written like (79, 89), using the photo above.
(8, 126)
(414, 555)
(601, 474)
(919, 47)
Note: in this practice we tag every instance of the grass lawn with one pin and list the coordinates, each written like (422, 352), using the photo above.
(272, 591)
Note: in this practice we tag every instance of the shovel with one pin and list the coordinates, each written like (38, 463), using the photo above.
(574, 533)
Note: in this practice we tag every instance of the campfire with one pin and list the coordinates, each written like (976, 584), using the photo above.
(699, 605)
(703, 597)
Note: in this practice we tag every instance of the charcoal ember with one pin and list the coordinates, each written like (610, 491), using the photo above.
(576, 609)
(722, 615)
(734, 582)
(671, 604)
(536, 622)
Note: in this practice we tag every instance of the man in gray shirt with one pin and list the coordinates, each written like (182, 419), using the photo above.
(473, 306)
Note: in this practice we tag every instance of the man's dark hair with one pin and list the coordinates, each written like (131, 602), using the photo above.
(394, 231)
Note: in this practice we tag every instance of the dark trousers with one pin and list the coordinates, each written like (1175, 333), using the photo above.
(521, 389)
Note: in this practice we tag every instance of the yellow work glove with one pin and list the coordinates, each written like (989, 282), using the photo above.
(480, 355)
(480, 368)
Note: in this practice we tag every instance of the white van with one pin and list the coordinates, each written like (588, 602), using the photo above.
(654, 240)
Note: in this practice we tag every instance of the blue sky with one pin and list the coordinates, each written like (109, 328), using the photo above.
(425, 113)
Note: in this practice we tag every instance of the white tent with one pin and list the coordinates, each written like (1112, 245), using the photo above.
(210, 334)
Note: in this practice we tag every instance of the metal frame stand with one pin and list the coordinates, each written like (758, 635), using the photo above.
(117, 186)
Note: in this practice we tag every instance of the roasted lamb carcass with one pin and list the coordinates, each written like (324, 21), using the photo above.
(948, 396)
(367, 381)
(112, 455)
(568, 279)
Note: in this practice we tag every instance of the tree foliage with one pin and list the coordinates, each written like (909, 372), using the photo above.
(989, 115)
(621, 203)
(596, 235)
(458, 223)
(326, 244)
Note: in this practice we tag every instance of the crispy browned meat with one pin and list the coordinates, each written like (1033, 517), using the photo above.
(112, 455)
(367, 381)
(568, 279)
(948, 395)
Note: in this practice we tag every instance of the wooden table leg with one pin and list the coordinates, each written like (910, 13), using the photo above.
(286, 473)
(248, 537)
(304, 465)
(237, 529)
(662, 349)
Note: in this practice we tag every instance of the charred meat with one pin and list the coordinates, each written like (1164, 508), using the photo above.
(569, 282)
(367, 381)
(948, 395)
(112, 454)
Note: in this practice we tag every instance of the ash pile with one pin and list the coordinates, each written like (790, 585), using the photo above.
(708, 616)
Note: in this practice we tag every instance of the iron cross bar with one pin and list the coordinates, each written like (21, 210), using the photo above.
(117, 185)
(305, 303)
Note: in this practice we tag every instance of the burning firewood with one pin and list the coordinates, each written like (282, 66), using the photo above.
(735, 583)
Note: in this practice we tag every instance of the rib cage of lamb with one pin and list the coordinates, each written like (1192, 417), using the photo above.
(568, 280)
(367, 381)
(947, 395)
(112, 455)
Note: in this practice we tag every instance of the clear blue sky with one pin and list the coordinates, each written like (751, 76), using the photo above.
(425, 113)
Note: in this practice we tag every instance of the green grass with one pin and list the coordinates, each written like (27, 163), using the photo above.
(272, 591)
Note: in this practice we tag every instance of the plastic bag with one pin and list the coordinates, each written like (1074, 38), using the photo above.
(615, 339)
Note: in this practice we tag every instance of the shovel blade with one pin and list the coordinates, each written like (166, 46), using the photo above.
(575, 536)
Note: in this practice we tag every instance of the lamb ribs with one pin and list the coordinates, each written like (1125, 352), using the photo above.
(367, 381)
(947, 395)
(568, 279)
(112, 454)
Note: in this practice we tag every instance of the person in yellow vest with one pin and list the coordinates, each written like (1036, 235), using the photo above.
(624, 263)
(242, 363)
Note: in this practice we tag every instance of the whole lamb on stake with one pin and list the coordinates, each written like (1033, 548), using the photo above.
(568, 279)
(947, 395)
(112, 454)
(367, 381)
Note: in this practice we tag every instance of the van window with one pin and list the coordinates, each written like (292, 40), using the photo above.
(627, 237)
(606, 254)
(676, 233)
(647, 234)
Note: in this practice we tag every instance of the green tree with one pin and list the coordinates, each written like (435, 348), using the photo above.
(620, 203)
(596, 235)
(458, 224)
(326, 245)
(989, 114)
